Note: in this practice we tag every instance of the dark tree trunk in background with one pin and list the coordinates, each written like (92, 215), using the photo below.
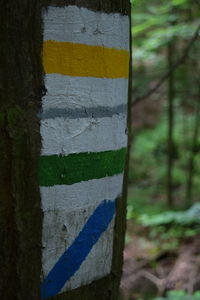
(21, 88)
(170, 152)
(194, 100)
(191, 163)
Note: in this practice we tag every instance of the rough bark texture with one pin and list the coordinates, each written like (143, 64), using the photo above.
(20, 93)
(21, 88)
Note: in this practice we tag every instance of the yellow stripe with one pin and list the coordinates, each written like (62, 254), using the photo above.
(84, 60)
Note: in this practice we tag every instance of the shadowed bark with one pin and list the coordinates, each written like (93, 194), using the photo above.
(20, 93)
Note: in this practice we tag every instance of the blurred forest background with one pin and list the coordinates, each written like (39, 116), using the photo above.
(162, 254)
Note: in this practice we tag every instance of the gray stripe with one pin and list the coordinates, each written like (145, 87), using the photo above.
(90, 112)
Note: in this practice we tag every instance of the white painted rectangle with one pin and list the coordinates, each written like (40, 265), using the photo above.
(80, 195)
(79, 92)
(65, 136)
(67, 208)
(80, 25)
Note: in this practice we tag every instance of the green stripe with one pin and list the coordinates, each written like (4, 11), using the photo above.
(56, 170)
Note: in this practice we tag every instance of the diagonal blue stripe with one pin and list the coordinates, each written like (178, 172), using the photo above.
(73, 257)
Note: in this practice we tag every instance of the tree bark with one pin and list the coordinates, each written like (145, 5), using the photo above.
(170, 112)
(191, 162)
(170, 132)
(21, 214)
(20, 94)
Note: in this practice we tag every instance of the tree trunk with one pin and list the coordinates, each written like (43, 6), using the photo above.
(170, 152)
(191, 162)
(20, 94)
(63, 148)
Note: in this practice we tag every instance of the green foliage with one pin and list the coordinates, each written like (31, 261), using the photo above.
(167, 229)
(152, 28)
(188, 217)
(149, 149)
(138, 202)
(148, 164)
(180, 295)
(156, 24)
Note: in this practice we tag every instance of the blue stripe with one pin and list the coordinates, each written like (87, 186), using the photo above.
(73, 257)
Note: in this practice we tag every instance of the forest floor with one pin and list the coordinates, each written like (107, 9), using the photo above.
(149, 273)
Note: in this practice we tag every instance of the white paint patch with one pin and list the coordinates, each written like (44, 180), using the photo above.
(80, 25)
(82, 194)
(59, 230)
(98, 263)
(65, 136)
(77, 92)
(66, 210)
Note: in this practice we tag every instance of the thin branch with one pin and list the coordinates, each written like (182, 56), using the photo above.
(169, 72)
